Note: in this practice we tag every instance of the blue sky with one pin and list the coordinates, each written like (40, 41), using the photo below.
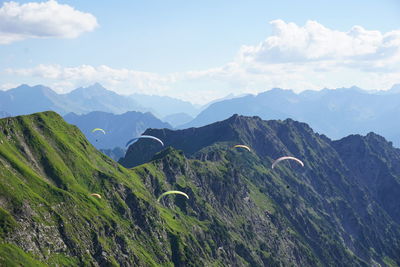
(200, 50)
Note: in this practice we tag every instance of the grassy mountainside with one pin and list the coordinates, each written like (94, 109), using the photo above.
(240, 212)
(48, 170)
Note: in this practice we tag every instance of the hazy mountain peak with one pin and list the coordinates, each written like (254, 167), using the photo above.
(165, 105)
(25, 88)
(349, 89)
(277, 92)
(177, 119)
(395, 89)
(93, 90)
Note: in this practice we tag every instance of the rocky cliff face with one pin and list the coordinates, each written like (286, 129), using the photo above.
(374, 163)
(345, 194)
(240, 212)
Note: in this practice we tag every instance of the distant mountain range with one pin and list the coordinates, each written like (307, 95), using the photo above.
(119, 128)
(336, 113)
(177, 119)
(25, 99)
(163, 106)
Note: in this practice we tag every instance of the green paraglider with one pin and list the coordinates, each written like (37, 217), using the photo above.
(172, 192)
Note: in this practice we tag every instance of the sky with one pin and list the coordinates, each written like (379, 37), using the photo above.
(200, 50)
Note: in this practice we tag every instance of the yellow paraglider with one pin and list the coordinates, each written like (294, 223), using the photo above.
(172, 192)
(285, 158)
(98, 129)
(243, 146)
(96, 195)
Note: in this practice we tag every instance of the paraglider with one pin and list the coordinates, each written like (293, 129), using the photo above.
(144, 136)
(98, 129)
(172, 192)
(243, 146)
(96, 195)
(285, 158)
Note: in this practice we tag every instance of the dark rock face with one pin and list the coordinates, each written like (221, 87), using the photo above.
(375, 164)
(350, 185)
(272, 138)
(335, 211)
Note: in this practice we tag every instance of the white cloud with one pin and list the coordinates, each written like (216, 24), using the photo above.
(7, 86)
(42, 20)
(121, 80)
(314, 43)
(293, 57)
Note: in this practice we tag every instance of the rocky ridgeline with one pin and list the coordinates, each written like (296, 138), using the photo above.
(240, 212)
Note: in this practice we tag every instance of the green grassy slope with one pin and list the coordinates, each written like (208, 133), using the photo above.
(48, 171)
(240, 212)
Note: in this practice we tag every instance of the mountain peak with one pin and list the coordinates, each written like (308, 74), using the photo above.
(25, 88)
(395, 89)
(349, 89)
(92, 90)
(96, 86)
(277, 92)
(259, 134)
(239, 119)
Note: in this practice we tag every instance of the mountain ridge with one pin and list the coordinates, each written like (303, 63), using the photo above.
(240, 212)
(26, 99)
(333, 112)
(323, 178)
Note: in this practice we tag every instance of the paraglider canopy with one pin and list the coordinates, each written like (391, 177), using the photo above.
(172, 192)
(286, 158)
(98, 129)
(144, 136)
(95, 195)
(242, 146)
